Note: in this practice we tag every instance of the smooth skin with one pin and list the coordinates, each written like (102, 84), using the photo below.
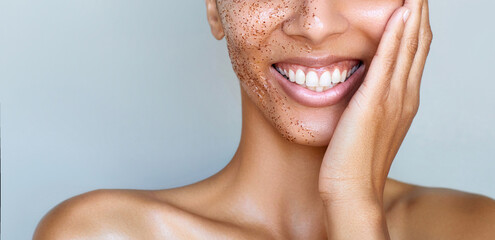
(278, 189)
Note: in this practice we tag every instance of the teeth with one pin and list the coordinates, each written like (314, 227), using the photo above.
(300, 77)
(343, 77)
(292, 76)
(336, 76)
(355, 68)
(325, 79)
(311, 79)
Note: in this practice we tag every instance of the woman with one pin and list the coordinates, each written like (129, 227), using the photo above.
(329, 90)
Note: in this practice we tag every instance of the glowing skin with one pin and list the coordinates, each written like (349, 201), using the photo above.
(301, 172)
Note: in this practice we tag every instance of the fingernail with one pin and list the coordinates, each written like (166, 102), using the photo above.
(406, 15)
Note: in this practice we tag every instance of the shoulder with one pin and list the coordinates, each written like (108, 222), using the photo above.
(442, 213)
(100, 214)
(128, 214)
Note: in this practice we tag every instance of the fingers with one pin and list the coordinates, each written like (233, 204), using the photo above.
(384, 61)
(407, 50)
(411, 101)
(425, 38)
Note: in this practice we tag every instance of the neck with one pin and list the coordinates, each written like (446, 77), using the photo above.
(273, 179)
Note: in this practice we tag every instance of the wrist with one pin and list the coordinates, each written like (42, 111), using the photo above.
(359, 219)
(344, 195)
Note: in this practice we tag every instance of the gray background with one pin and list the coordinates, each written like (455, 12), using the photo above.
(138, 94)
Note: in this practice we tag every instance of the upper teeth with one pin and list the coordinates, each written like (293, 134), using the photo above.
(310, 80)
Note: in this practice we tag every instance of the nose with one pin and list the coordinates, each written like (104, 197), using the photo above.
(315, 21)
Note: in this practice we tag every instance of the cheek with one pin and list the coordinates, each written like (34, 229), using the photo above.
(248, 26)
(370, 17)
(251, 44)
(251, 21)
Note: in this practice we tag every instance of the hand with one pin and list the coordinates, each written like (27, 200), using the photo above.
(373, 126)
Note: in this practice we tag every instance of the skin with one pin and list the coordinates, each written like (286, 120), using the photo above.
(297, 173)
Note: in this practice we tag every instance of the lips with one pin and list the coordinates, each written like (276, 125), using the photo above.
(312, 83)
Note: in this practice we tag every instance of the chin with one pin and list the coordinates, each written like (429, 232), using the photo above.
(311, 126)
(319, 136)
(296, 123)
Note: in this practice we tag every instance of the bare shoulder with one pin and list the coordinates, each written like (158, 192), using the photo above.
(101, 214)
(126, 214)
(442, 213)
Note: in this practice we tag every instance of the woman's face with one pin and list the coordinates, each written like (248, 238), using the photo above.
(314, 41)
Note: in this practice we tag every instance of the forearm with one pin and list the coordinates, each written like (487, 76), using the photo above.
(355, 220)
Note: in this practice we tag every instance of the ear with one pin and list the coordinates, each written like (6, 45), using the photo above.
(214, 19)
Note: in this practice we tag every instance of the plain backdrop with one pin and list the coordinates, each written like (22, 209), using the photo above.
(138, 94)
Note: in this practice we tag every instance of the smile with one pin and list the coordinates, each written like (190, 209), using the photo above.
(318, 79)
